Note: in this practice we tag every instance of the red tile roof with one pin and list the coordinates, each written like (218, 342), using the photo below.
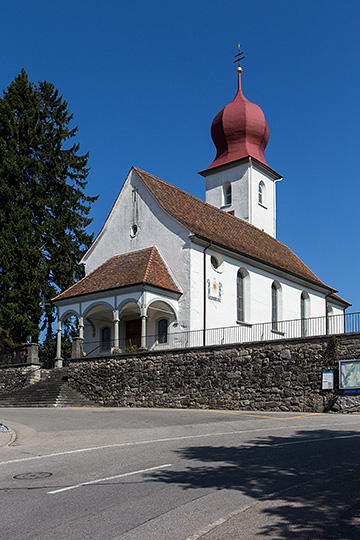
(213, 224)
(138, 267)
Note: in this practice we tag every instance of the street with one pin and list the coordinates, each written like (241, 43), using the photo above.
(142, 474)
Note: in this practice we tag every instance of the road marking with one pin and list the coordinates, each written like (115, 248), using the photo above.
(238, 413)
(254, 415)
(108, 478)
(168, 439)
(243, 509)
(314, 440)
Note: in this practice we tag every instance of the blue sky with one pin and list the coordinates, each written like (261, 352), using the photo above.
(144, 81)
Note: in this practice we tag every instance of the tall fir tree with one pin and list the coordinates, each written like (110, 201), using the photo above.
(43, 210)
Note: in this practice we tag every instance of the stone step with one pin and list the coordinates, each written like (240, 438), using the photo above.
(51, 392)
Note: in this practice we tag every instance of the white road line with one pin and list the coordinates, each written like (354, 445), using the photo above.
(315, 440)
(266, 497)
(169, 439)
(139, 443)
(108, 478)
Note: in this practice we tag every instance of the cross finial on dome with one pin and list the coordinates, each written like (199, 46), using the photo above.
(238, 57)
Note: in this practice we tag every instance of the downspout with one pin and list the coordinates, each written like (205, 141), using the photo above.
(204, 288)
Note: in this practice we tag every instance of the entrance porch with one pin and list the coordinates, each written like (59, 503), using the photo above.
(120, 324)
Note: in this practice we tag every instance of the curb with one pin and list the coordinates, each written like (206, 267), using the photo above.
(7, 435)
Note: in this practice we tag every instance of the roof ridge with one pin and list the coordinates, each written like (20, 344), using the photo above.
(141, 267)
(100, 265)
(177, 188)
(147, 269)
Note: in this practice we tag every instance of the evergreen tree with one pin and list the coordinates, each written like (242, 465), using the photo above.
(43, 207)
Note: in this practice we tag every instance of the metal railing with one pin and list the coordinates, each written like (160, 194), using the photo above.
(241, 333)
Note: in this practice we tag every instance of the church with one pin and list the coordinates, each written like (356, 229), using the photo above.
(168, 270)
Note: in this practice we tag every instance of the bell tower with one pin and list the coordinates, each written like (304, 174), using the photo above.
(239, 180)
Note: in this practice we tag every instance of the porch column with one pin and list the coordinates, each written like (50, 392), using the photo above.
(116, 328)
(58, 359)
(143, 332)
(81, 327)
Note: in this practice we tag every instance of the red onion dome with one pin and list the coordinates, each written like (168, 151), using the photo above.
(239, 130)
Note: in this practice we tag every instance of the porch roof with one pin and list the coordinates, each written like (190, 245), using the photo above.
(138, 267)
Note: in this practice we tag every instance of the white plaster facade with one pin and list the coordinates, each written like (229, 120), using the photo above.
(258, 301)
(245, 178)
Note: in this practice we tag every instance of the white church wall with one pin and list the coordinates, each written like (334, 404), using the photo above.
(289, 297)
(135, 205)
(221, 295)
(244, 180)
(238, 178)
(196, 288)
(336, 310)
(263, 215)
(336, 318)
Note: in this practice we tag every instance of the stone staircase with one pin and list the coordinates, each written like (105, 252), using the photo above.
(52, 391)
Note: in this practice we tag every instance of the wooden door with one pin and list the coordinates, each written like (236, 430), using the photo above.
(133, 332)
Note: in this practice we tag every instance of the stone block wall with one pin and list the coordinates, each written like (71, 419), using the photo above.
(15, 378)
(284, 375)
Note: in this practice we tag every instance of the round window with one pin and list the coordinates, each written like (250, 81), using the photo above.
(217, 263)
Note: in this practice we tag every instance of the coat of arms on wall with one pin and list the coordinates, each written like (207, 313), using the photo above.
(214, 290)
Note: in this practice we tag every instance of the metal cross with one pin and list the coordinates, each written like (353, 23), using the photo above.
(238, 57)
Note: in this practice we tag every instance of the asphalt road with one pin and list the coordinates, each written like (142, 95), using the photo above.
(140, 474)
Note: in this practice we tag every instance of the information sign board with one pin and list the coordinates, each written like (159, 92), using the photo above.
(349, 374)
(327, 380)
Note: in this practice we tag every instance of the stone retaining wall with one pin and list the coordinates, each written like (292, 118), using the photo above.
(15, 378)
(284, 375)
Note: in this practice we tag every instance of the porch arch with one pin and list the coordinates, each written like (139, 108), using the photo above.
(69, 313)
(132, 323)
(98, 327)
(96, 303)
(162, 317)
(127, 301)
(171, 308)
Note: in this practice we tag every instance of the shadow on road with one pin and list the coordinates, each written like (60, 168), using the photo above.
(309, 482)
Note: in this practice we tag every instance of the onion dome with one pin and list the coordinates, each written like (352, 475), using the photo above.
(239, 130)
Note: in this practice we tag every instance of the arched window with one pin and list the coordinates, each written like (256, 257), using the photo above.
(105, 338)
(242, 295)
(304, 312)
(227, 194)
(162, 330)
(261, 193)
(275, 305)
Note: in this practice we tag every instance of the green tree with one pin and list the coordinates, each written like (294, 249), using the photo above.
(43, 207)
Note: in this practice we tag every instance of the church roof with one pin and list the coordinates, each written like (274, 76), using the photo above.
(208, 222)
(138, 267)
